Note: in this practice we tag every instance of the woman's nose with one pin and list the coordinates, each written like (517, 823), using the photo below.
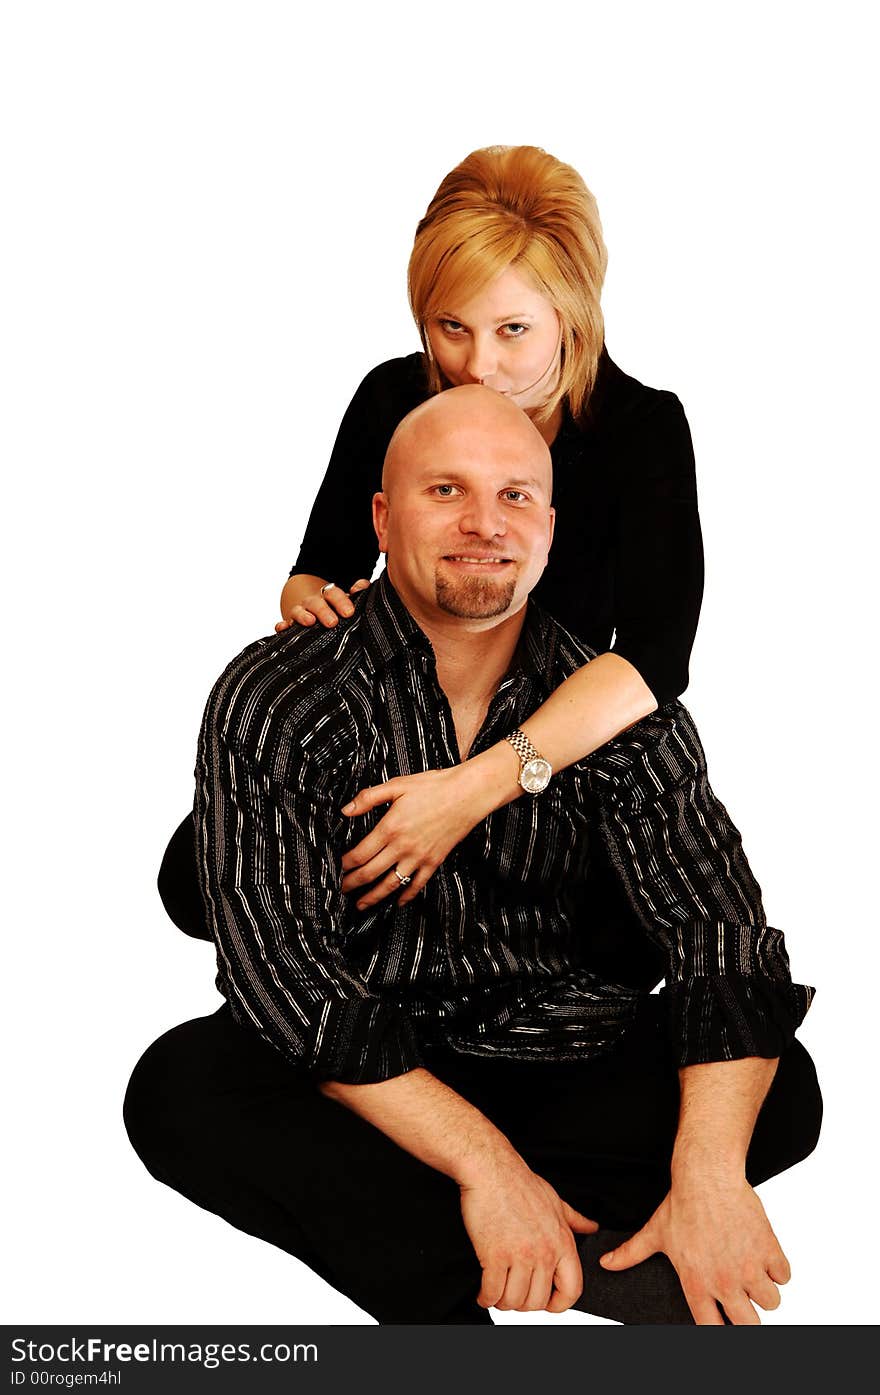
(482, 360)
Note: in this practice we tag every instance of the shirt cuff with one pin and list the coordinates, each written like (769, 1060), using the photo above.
(729, 993)
(361, 1041)
(714, 1018)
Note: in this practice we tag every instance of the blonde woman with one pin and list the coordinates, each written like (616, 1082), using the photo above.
(505, 280)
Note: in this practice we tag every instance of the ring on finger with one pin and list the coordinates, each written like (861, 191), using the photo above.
(327, 587)
(404, 880)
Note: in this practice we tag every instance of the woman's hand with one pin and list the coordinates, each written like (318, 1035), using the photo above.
(323, 606)
(430, 814)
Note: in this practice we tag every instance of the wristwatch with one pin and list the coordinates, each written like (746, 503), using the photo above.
(534, 770)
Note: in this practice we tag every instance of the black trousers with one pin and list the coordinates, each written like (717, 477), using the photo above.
(221, 1117)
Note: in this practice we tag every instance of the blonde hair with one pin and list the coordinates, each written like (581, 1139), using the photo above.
(515, 205)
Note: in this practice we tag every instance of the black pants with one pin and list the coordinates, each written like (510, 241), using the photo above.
(221, 1117)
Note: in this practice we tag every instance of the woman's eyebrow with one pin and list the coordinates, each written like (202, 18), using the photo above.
(504, 319)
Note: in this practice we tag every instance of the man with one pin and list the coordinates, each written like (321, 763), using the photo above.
(427, 1103)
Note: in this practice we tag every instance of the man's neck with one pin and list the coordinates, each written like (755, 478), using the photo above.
(472, 658)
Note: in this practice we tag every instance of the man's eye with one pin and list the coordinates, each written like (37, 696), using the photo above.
(446, 491)
(514, 496)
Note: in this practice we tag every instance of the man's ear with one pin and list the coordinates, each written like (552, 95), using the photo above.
(380, 520)
(552, 528)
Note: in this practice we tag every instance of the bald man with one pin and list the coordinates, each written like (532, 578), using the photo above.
(436, 1105)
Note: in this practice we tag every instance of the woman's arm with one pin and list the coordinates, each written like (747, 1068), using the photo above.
(597, 702)
(339, 541)
(431, 813)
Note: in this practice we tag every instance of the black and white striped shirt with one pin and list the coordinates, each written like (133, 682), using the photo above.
(488, 959)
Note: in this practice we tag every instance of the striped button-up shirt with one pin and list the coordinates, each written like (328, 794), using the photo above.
(489, 959)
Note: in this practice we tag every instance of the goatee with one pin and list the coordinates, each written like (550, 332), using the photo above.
(474, 597)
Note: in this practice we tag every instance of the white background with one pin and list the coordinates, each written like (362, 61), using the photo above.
(209, 209)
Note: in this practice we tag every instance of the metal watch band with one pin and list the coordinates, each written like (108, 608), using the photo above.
(523, 746)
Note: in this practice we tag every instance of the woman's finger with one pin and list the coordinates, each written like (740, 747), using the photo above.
(420, 880)
(370, 798)
(369, 847)
(384, 860)
(300, 616)
(371, 871)
(360, 585)
(384, 888)
(335, 597)
(322, 611)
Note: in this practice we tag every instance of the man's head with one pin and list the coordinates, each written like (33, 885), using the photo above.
(464, 514)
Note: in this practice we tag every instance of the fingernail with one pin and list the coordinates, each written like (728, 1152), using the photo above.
(348, 808)
(607, 1258)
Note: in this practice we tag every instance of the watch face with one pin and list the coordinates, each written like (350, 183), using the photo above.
(535, 775)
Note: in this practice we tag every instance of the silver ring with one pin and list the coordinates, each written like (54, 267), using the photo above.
(404, 881)
(328, 587)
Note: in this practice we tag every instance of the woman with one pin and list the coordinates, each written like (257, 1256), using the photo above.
(505, 280)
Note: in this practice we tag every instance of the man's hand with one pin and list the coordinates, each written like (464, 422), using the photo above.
(719, 1240)
(521, 1231)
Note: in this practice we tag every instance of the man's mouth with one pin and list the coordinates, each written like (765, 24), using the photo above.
(470, 560)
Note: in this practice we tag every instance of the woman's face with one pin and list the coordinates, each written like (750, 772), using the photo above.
(508, 336)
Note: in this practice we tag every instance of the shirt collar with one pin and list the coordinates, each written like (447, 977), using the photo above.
(387, 627)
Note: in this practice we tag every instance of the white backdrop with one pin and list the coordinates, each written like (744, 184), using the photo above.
(209, 211)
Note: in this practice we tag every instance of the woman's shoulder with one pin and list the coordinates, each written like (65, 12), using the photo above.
(398, 384)
(621, 402)
(638, 434)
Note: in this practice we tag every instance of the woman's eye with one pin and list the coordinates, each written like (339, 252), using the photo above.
(514, 330)
(451, 326)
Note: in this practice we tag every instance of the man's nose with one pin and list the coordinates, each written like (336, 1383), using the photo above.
(482, 360)
(482, 517)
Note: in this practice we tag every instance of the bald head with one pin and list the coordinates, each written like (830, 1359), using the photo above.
(470, 419)
(464, 517)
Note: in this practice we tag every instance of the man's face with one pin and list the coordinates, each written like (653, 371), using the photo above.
(466, 520)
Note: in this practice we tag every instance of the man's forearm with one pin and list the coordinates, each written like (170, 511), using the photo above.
(432, 1122)
(720, 1102)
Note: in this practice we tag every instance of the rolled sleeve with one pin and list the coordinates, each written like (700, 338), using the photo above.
(269, 857)
(728, 988)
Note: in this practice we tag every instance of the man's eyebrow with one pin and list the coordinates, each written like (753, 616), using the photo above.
(453, 476)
